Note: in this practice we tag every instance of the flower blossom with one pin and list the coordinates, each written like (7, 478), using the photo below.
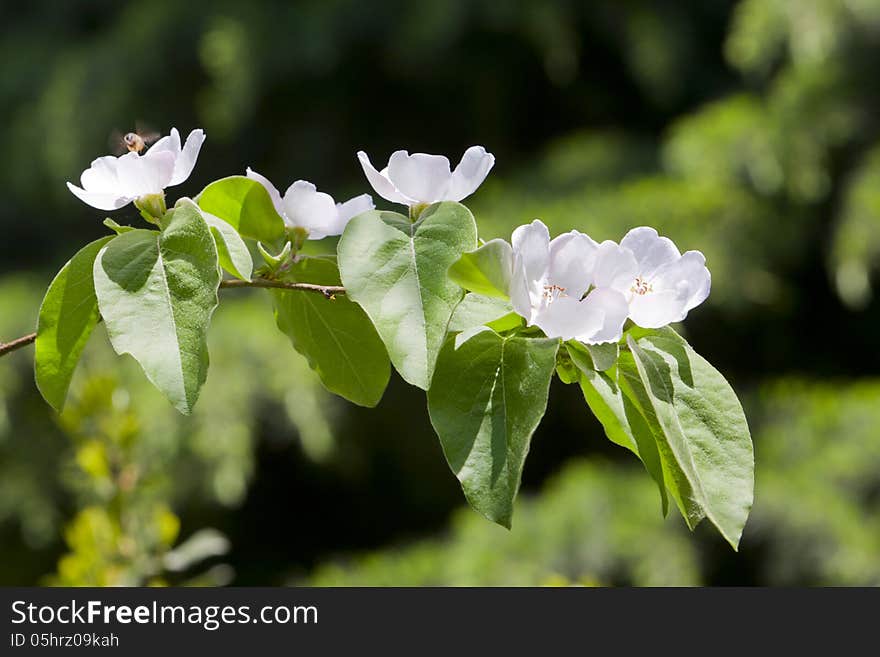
(549, 279)
(113, 182)
(421, 178)
(303, 206)
(660, 284)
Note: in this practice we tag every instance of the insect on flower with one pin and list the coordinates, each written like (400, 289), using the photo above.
(133, 142)
(113, 182)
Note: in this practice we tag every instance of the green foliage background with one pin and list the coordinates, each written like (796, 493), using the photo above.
(747, 130)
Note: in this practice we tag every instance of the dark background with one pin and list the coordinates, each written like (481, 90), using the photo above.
(747, 130)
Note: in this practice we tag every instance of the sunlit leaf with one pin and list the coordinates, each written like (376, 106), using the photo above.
(397, 271)
(486, 270)
(245, 205)
(479, 310)
(335, 335)
(702, 425)
(68, 315)
(156, 292)
(486, 399)
(231, 249)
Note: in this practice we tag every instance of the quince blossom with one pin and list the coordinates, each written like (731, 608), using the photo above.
(420, 178)
(113, 182)
(303, 206)
(549, 279)
(660, 284)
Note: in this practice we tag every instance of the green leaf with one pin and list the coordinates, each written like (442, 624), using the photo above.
(486, 270)
(566, 370)
(599, 357)
(622, 420)
(115, 227)
(479, 310)
(275, 262)
(486, 399)
(67, 317)
(396, 271)
(156, 292)
(675, 480)
(232, 251)
(703, 425)
(246, 206)
(335, 335)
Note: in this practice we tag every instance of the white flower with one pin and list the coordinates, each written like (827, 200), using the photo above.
(112, 182)
(421, 178)
(303, 206)
(548, 283)
(660, 284)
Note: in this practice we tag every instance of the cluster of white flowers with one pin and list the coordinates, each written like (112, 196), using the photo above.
(570, 287)
(113, 182)
(573, 288)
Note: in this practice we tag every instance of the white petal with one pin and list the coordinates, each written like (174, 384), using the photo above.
(658, 308)
(347, 211)
(139, 176)
(420, 176)
(100, 200)
(186, 159)
(689, 278)
(616, 267)
(613, 308)
(651, 250)
(355, 206)
(566, 318)
(101, 176)
(306, 207)
(531, 247)
(470, 173)
(274, 194)
(169, 143)
(572, 259)
(381, 183)
(519, 292)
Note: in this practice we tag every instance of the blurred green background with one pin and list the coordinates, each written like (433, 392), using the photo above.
(747, 130)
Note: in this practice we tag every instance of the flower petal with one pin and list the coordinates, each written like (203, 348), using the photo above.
(274, 194)
(658, 308)
(422, 177)
(101, 177)
(615, 268)
(470, 173)
(689, 277)
(350, 209)
(572, 260)
(169, 143)
(381, 183)
(519, 292)
(306, 207)
(567, 317)
(139, 175)
(100, 200)
(651, 250)
(614, 310)
(186, 158)
(531, 247)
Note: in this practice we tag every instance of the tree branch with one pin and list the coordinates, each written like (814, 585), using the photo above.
(23, 341)
(329, 292)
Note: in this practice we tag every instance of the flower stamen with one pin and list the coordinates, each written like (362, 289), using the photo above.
(553, 292)
(641, 287)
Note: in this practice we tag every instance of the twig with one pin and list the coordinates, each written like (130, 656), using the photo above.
(23, 341)
(329, 292)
